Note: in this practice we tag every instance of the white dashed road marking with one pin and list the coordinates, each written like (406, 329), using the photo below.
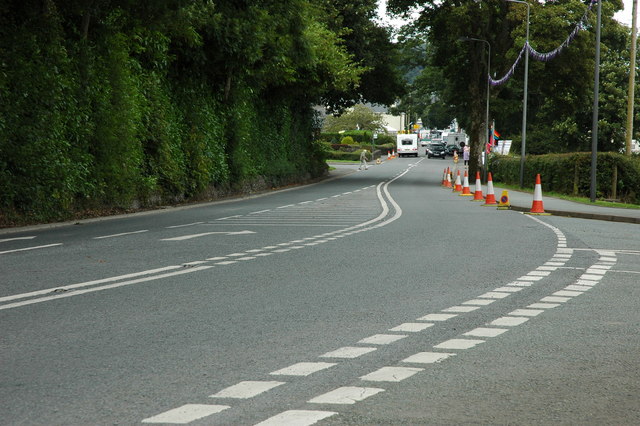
(391, 374)
(412, 327)
(437, 317)
(348, 352)
(247, 389)
(427, 357)
(186, 414)
(302, 369)
(458, 344)
(382, 339)
(485, 332)
(345, 395)
(297, 418)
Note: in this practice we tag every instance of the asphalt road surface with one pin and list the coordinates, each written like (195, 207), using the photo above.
(376, 298)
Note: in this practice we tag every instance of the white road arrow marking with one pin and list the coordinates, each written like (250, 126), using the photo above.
(204, 234)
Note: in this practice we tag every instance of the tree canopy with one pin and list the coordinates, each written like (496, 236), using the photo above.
(560, 91)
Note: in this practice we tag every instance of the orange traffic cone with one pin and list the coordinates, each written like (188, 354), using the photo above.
(491, 196)
(444, 178)
(388, 155)
(449, 184)
(537, 207)
(457, 187)
(477, 195)
(466, 191)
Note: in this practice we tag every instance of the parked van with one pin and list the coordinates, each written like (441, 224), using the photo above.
(407, 145)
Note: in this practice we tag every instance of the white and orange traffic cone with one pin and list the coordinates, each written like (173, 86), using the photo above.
(491, 196)
(537, 207)
(457, 187)
(388, 155)
(448, 184)
(477, 195)
(466, 191)
(444, 178)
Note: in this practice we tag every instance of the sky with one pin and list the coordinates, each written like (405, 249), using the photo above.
(623, 16)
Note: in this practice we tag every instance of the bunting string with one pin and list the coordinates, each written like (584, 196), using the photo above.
(544, 57)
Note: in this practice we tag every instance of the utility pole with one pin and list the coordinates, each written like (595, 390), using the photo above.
(632, 80)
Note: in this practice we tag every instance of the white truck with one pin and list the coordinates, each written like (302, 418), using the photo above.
(407, 145)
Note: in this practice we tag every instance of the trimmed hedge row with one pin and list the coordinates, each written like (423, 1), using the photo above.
(617, 175)
(359, 137)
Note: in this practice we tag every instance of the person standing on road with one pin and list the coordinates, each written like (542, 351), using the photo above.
(363, 160)
(465, 153)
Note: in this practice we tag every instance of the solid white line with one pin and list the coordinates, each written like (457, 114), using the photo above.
(204, 234)
(182, 226)
(186, 414)
(86, 283)
(30, 248)
(297, 418)
(245, 390)
(17, 238)
(121, 234)
(345, 395)
(106, 287)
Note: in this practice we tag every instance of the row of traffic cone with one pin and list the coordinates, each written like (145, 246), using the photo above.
(391, 154)
(537, 207)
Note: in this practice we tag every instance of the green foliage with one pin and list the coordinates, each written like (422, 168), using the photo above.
(119, 104)
(347, 140)
(570, 173)
(358, 117)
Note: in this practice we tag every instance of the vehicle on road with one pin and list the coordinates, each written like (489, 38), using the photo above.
(407, 145)
(453, 147)
(436, 150)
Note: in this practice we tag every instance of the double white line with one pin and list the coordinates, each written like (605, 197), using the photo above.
(89, 286)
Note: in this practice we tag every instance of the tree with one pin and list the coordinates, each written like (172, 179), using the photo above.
(358, 117)
(560, 91)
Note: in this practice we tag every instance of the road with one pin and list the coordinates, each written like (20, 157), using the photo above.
(378, 297)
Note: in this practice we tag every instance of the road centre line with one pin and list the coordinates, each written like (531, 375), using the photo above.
(121, 234)
(182, 226)
(87, 283)
(106, 287)
(30, 248)
(17, 238)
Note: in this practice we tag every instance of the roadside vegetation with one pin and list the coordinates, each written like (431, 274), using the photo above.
(109, 105)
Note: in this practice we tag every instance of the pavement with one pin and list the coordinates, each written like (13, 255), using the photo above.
(522, 201)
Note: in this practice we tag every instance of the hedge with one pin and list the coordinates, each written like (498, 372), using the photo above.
(617, 176)
(359, 136)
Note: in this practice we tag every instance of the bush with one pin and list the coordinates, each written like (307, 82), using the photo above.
(347, 140)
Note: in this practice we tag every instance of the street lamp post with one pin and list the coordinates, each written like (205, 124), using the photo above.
(486, 122)
(524, 101)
